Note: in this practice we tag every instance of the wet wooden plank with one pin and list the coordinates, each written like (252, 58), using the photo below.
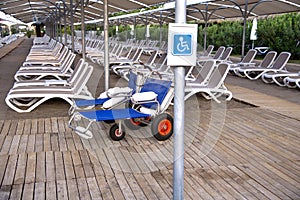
(41, 167)
(62, 141)
(5, 127)
(47, 125)
(54, 125)
(93, 188)
(16, 192)
(78, 168)
(21, 169)
(72, 189)
(124, 186)
(10, 170)
(13, 127)
(39, 191)
(20, 127)
(50, 166)
(27, 126)
(14, 145)
(6, 145)
(54, 141)
(5, 191)
(59, 166)
(83, 189)
(31, 144)
(106, 191)
(3, 163)
(117, 193)
(28, 191)
(68, 166)
(86, 163)
(149, 193)
(51, 193)
(30, 168)
(34, 126)
(61, 189)
(47, 142)
(157, 189)
(39, 142)
(23, 144)
(41, 125)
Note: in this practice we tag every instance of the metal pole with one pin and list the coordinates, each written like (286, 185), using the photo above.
(205, 31)
(244, 29)
(60, 29)
(82, 30)
(65, 21)
(160, 28)
(106, 47)
(72, 25)
(178, 166)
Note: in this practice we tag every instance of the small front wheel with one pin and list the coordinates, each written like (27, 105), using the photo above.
(115, 133)
(162, 126)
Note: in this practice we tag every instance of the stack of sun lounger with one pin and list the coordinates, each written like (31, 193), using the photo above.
(47, 73)
(271, 69)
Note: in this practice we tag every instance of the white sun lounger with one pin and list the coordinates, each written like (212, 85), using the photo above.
(278, 65)
(42, 72)
(27, 100)
(266, 63)
(214, 88)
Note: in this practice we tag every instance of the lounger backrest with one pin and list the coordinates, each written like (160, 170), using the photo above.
(151, 58)
(63, 53)
(205, 72)
(138, 54)
(162, 60)
(66, 65)
(132, 53)
(226, 54)
(208, 50)
(219, 52)
(58, 47)
(218, 76)
(77, 71)
(268, 59)
(281, 60)
(160, 87)
(83, 79)
(249, 56)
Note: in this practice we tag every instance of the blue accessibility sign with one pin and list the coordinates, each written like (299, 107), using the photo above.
(182, 44)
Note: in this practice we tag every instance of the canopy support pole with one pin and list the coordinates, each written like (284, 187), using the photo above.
(106, 47)
(82, 30)
(178, 163)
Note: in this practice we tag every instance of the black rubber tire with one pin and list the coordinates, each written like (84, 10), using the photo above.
(162, 126)
(115, 134)
(132, 124)
(109, 121)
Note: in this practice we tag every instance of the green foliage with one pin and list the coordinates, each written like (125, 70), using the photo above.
(281, 33)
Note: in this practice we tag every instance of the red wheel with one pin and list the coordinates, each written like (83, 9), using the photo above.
(132, 124)
(115, 133)
(162, 126)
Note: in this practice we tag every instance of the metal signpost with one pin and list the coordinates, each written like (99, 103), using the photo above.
(182, 48)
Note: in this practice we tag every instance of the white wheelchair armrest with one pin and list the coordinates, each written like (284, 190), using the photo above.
(116, 92)
(144, 96)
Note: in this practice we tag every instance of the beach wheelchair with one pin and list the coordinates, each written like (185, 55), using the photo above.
(146, 106)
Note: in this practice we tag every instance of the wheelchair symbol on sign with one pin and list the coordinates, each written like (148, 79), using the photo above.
(182, 45)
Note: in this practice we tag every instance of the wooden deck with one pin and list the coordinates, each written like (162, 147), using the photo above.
(232, 151)
(238, 152)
